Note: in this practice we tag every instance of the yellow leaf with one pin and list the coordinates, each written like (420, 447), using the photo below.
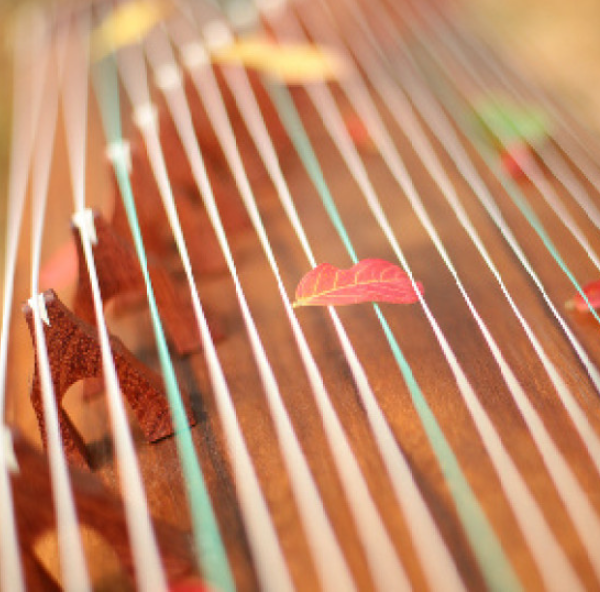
(292, 63)
(127, 24)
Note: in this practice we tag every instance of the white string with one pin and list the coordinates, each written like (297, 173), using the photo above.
(547, 153)
(370, 527)
(579, 419)
(571, 493)
(8, 450)
(149, 571)
(532, 171)
(428, 541)
(271, 567)
(26, 106)
(384, 563)
(550, 156)
(26, 103)
(75, 108)
(547, 552)
(581, 422)
(72, 559)
(218, 116)
(577, 503)
(575, 140)
(422, 100)
(329, 560)
(543, 544)
(11, 572)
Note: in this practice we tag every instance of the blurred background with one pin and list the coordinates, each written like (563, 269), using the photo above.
(557, 41)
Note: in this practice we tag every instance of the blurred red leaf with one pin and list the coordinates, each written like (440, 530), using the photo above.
(370, 280)
(189, 585)
(592, 291)
(514, 159)
(358, 132)
(60, 270)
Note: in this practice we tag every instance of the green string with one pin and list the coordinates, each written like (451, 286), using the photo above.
(472, 130)
(495, 566)
(524, 206)
(210, 551)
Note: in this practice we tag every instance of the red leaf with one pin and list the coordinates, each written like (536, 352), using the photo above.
(514, 158)
(370, 280)
(359, 132)
(190, 585)
(592, 291)
(60, 270)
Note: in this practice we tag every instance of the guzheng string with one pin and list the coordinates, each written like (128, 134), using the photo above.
(492, 573)
(510, 72)
(468, 507)
(423, 529)
(571, 493)
(574, 140)
(452, 103)
(72, 558)
(26, 101)
(545, 544)
(148, 565)
(566, 570)
(585, 430)
(9, 545)
(207, 539)
(431, 112)
(548, 154)
(331, 564)
(529, 166)
(272, 569)
(566, 396)
(75, 106)
(576, 413)
(385, 566)
(206, 86)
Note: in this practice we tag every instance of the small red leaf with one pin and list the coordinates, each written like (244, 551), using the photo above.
(370, 280)
(514, 159)
(60, 270)
(190, 585)
(592, 291)
(359, 132)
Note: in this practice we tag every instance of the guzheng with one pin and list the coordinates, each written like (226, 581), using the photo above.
(297, 296)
